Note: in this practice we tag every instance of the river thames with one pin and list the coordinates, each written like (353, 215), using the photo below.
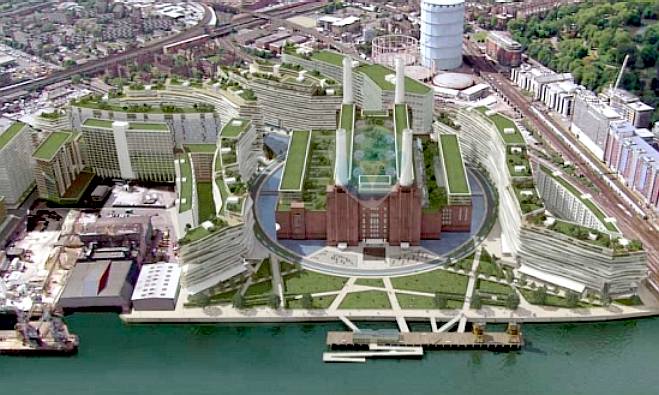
(569, 359)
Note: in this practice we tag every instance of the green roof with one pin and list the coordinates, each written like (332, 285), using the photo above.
(587, 202)
(232, 131)
(51, 145)
(453, 166)
(295, 161)
(186, 186)
(98, 123)
(148, 126)
(502, 123)
(330, 57)
(201, 148)
(10, 133)
(377, 74)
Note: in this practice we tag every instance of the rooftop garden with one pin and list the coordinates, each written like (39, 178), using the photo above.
(374, 149)
(98, 123)
(437, 197)
(506, 127)
(452, 160)
(516, 158)
(205, 200)
(148, 126)
(201, 232)
(330, 57)
(96, 102)
(588, 202)
(235, 127)
(10, 133)
(296, 156)
(51, 145)
(51, 116)
(588, 235)
(320, 169)
(185, 192)
(527, 196)
(377, 73)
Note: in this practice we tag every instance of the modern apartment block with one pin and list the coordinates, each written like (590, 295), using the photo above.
(189, 126)
(591, 122)
(238, 148)
(635, 160)
(536, 79)
(503, 49)
(16, 176)
(58, 167)
(373, 85)
(629, 106)
(129, 150)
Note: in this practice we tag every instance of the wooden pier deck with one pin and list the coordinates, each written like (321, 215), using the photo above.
(495, 341)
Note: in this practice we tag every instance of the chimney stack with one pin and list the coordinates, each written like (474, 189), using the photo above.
(341, 177)
(399, 97)
(347, 80)
(406, 160)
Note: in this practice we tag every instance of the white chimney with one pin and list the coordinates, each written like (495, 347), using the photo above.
(399, 97)
(341, 163)
(347, 80)
(406, 160)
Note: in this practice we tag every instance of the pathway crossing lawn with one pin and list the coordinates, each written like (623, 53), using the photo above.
(370, 282)
(416, 302)
(264, 287)
(492, 287)
(366, 300)
(312, 282)
(319, 302)
(434, 281)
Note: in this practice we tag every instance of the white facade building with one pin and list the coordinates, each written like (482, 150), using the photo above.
(16, 175)
(157, 287)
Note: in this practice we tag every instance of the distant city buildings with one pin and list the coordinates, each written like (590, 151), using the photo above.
(501, 48)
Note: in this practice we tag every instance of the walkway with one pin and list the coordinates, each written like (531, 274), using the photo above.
(470, 290)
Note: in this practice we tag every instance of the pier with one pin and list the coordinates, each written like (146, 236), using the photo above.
(50, 337)
(387, 343)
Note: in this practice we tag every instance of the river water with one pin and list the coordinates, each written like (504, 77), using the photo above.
(568, 359)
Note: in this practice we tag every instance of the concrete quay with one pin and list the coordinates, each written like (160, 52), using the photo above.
(489, 314)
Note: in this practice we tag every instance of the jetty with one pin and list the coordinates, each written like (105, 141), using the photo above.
(43, 337)
(359, 345)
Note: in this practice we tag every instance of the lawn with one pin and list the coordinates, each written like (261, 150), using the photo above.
(415, 302)
(205, 200)
(491, 287)
(320, 302)
(185, 192)
(378, 73)
(51, 145)
(261, 288)
(366, 300)
(312, 282)
(333, 58)
(10, 133)
(295, 161)
(455, 172)
(370, 282)
(434, 281)
(98, 123)
(235, 127)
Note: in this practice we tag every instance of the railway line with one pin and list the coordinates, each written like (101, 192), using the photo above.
(614, 204)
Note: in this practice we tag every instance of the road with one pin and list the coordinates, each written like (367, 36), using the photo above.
(613, 204)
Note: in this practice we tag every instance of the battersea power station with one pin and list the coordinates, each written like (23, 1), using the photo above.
(375, 180)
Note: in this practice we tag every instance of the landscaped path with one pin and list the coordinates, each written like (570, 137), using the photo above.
(470, 290)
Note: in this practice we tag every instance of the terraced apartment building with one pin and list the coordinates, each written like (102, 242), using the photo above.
(129, 150)
(16, 176)
(59, 166)
(373, 84)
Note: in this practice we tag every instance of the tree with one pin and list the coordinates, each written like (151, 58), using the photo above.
(540, 295)
(274, 301)
(572, 299)
(238, 300)
(476, 301)
(512, 301)
(440, 301)
(307, 301)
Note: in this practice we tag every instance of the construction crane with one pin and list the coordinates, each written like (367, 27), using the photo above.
(622, 70)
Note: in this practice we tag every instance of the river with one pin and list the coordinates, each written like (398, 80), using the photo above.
(569, 359)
